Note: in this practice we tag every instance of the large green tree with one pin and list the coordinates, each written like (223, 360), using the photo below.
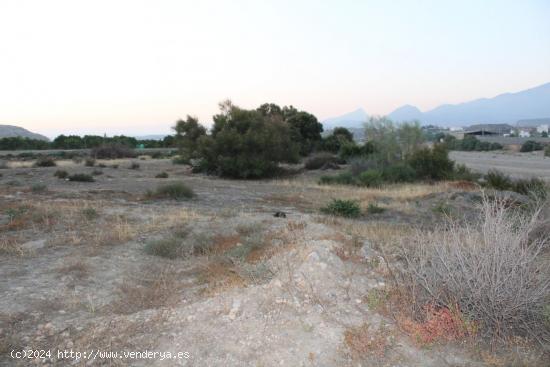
(188, 133)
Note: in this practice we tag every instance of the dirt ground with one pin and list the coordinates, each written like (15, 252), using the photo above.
(80, 270)
(520, 165)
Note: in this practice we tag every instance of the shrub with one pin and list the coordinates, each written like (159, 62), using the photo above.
(320, 160)
(530, 146)
(490, 270)
(134, 165)
(89, 162)
(61, 174)
(498, 180)
(39, 187)
(432, 163)
(162, 175)
(343, 208)
(112, 151)
(180, 160)
(344, 178)
(45, 161)
(534, 187)
(89, 213)
(81, 177)
(174, 191)
(97, 172)
(399, 172)
(370, 178)
(547, 151)
(374, 208)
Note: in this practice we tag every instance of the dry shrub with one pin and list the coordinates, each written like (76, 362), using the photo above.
(154, 290)
(364, 342)
(490, 270)
(439, 324)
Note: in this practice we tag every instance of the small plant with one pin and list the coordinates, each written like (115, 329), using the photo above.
(344, 178)
(174, 191)
(343, 208)
(81, 177)
(134, 165)
(89, 213)
(62, 174)
(97, 172)
(374, 208)
(547, 151)
(442, 208)
(89, 162)
(45, 161)
(39, 187)
(162, 175)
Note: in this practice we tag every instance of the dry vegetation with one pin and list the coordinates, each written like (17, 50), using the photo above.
(106, 265)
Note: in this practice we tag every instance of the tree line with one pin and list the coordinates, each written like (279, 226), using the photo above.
(82, 142)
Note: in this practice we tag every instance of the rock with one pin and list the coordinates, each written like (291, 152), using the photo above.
(279, 214)
(509, 197)
(33, 245)
(234, 309)
(366, 250)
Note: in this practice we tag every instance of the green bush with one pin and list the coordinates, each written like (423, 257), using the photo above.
(547, 151)
(180, 160)
(39, 187)
(432, 163)
(530, 146)
(90, 213)
(174, 191)
(320, 160)
(45, 161)
(162, 175)
(342, 208)
(370, 178)
(498, 180)
(399, 172)
(81, 177)
(61, 174)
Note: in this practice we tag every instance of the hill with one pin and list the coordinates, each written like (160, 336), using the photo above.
(352, 119)
(508, 108)
(9, 131)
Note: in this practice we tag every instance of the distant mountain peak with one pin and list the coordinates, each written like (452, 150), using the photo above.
(351, 119)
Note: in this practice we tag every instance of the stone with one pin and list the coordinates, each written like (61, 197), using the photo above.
(33, 245)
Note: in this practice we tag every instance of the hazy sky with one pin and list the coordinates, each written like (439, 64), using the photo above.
(134, 67)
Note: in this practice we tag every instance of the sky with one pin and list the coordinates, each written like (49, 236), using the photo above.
(135, 67)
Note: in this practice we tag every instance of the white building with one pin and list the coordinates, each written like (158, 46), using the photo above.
(524, 134)
(542, 129)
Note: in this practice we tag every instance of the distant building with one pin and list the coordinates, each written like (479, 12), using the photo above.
(488, 129)
(542, 129)
(524, 133)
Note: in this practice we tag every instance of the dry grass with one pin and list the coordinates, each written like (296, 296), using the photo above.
(364, 342)
(76, 268)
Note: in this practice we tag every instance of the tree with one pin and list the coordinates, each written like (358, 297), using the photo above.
(188, 133)
(305, 131)
(245, 143)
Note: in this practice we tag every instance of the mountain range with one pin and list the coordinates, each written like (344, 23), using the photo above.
(533, 103)
(10, 131)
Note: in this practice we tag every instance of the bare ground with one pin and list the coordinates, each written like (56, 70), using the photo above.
(253, 289)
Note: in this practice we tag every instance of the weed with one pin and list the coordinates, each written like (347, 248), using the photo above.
(45, 161)
(62, 174)
(162, 175)
(174, 191)
(374, 208)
